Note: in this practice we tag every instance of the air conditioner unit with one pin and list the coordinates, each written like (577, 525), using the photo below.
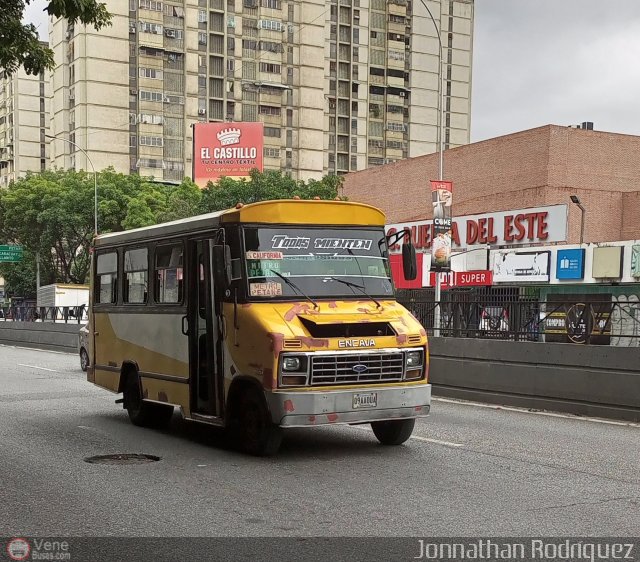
(67, 35)
(133, 92)
(72, 96)
(170, 32)
(202, 111)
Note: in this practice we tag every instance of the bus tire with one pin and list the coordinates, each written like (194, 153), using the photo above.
(254, 430)
(84, 359)
(393, 432)
(141, 413)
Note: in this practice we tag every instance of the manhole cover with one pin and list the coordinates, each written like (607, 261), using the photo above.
(126, 458)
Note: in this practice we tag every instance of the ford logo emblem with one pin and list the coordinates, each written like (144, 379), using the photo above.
(360, 368)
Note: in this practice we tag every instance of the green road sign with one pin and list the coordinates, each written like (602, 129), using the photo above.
(10, 253)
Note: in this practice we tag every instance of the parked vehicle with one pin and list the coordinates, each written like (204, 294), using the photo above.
(83, 347)
(494, 319)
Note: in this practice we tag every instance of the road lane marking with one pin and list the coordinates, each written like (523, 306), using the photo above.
(419, 438)
(36, 367)
(536, 412)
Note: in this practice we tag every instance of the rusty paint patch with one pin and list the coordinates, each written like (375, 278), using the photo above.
(277, 343)
(288, 406)
(364, 310)
(423, 332)
(333, 304)
(162, 396)
(296, 309)
(418, 408)
(331, 418)
(313, 342)
(245, 305)
(312, 419)
(267, 379)
(401, 339)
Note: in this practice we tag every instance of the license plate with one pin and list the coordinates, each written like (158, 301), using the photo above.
(365, 400)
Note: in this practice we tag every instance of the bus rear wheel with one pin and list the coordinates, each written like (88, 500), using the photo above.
(256, 433)
(393, 432)
(141, 413)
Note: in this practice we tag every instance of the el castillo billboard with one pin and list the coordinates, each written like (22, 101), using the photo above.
(226, 149)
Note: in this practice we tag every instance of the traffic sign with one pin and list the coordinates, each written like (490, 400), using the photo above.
(10, 253)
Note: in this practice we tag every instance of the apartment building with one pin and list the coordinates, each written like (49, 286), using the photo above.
(24, 107)
(340, 85)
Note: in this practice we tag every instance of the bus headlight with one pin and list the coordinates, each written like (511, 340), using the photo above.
(414, 359)
(291, 364)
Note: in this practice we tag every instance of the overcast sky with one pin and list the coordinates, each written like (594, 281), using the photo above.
(539, 62)
(560, 62)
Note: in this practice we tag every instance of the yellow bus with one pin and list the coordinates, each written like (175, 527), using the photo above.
(271, 315)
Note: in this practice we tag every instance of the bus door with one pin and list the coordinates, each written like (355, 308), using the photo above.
(205, 359)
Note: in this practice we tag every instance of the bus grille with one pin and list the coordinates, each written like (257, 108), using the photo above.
(353, 368)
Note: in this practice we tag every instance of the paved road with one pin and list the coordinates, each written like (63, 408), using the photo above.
(470, 470)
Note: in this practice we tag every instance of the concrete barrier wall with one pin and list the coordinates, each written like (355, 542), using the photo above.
(43, 335)
(580, 379)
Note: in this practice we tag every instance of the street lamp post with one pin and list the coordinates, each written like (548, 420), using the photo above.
(95, 180)
(575, 199)
(438, 287)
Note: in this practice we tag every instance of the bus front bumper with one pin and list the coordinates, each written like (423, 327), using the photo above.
(317, 407)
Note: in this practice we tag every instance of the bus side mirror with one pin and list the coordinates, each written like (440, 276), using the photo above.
(222, 266)
(409, 264)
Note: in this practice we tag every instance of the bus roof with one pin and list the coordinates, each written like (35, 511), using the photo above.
(284, 211)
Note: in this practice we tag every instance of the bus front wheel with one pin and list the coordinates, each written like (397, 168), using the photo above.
(145, 414)
(393, 432)
(256, 433)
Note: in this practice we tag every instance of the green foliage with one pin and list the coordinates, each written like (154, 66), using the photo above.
(262, 186)
(19, 43)
(52, 213)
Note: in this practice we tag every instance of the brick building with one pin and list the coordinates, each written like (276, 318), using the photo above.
(533, 168)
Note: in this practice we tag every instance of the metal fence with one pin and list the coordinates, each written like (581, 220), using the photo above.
(523, 317)
(61, 314)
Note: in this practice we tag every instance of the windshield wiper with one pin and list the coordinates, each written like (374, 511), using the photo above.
(356, 286)
(296, 288)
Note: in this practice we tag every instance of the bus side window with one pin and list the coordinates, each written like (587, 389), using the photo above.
(107, 278)
(135, 279)
(169, 278)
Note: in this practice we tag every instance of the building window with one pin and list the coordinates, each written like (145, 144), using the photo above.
(151, 5)
(272, 4)
(146, 95)
(274, 25)
(150, 141)
(168, 274)
(270, 152)
(202, 16)
(107, 277)
(272, 132)
(136, 276)
(148, 27)
(270, 68)
(269, 110)
(151, 73)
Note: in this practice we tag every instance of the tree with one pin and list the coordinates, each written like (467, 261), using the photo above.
(19, 43)
(261, 186)
(50, 214)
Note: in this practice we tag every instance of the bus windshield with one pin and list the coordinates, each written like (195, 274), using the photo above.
(317, 262)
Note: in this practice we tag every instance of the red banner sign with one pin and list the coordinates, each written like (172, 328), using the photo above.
(226, 149)
(462, 279)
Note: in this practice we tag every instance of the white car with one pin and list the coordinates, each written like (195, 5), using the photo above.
(83, 347)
